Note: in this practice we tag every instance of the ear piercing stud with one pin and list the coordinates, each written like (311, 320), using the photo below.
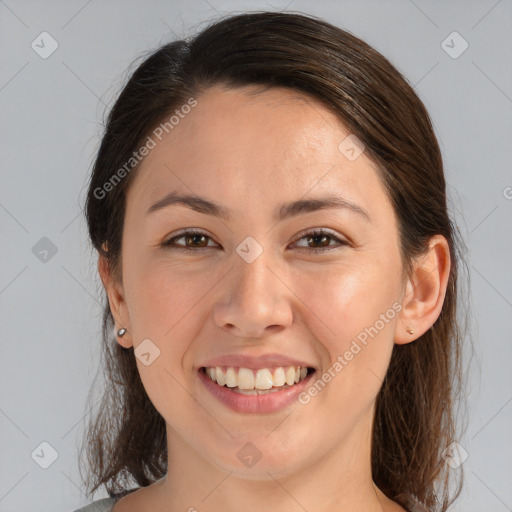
(409, 330)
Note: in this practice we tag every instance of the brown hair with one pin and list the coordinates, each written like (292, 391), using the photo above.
(415, 417)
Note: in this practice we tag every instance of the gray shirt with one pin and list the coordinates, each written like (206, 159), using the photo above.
(104, 505)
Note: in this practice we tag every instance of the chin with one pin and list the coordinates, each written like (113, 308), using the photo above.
(254, 457)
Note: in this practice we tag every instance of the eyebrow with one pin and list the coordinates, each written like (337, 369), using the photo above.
(301, 206)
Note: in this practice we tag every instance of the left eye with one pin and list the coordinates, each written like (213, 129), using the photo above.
(322, 237)
(198, 237)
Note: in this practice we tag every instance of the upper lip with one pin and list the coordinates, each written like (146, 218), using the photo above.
(253, 363)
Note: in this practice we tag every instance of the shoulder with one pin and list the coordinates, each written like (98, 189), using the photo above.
(103, 505)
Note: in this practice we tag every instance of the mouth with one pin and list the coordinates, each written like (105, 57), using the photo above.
(262, 381)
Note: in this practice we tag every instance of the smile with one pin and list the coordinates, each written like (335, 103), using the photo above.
(255, 390)
(251, 382)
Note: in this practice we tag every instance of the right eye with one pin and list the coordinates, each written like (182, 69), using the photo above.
(190, 235)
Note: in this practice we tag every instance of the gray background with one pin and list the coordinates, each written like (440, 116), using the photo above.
(52, 110)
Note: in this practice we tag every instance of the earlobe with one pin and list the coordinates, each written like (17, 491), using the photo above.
(425, 292)
(116, 301)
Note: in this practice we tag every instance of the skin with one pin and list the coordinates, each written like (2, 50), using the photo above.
(281, 146)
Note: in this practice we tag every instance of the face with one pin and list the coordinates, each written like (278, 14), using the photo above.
(260, 288)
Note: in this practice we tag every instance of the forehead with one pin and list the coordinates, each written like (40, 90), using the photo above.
(251, 143)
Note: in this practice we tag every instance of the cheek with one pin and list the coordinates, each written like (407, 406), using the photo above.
(344, 300)
(352, 312)
(163, 297)
(166, 311)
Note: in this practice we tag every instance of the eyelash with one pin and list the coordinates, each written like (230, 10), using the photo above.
(191, 232)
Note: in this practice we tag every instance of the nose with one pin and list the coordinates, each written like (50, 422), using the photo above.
(256, 300)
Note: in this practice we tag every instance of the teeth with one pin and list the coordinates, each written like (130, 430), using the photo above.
(290, 376)
(245, 379)
(279, 376)
(219, 374)
(231, 381)
(263, 379)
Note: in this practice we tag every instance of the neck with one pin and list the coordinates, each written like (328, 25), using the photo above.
(337, 481)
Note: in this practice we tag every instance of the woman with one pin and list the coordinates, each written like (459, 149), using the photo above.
(269, 209)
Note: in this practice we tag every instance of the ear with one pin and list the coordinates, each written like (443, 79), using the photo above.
(425, 291)
(116, 301)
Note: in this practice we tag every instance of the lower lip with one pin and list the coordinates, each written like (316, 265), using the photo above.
(256, 404)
